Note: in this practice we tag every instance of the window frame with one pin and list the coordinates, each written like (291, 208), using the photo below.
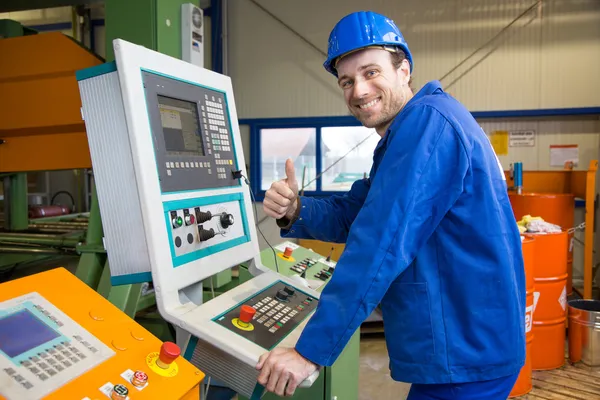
(317, 123)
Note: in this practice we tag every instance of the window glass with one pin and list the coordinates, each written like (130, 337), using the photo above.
(356, 159)
(277, 145)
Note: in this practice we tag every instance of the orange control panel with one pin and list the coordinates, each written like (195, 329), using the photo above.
(59, 339)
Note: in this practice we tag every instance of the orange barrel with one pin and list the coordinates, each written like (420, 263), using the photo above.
(549, 300)
(523, 383)
(556, 208)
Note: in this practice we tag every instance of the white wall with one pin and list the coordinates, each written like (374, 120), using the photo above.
(551, 63)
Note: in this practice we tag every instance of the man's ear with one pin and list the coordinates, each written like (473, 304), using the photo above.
(404, 72)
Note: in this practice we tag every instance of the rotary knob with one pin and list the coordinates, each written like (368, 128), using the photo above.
(226, 220)
(282, 295)
(289, 290)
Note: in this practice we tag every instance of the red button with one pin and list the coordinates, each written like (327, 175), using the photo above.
(169, 352)
(247, 313)
(288, 252)
(192, 219)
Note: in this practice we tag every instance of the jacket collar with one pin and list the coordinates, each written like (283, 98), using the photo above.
(428, 89)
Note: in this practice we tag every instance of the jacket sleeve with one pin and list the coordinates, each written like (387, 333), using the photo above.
(420, 177)
(328, 219)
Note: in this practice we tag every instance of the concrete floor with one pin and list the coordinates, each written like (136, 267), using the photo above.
(374, 374)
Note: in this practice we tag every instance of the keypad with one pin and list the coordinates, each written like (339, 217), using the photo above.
(303, 265)
(54, 360)
(273, 314)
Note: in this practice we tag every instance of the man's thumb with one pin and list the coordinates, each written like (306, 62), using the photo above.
(290, 173)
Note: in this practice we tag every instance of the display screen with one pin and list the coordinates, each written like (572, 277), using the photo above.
(181, 127)
(23, 331)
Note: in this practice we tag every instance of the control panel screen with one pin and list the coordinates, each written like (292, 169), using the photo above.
(23, 331)
(181, 127)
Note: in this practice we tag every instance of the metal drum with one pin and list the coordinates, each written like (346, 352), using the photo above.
(584, 332)
(523, 384)
(549, 300)
(556, 208)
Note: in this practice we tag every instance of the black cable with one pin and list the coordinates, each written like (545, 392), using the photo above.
(239, 174)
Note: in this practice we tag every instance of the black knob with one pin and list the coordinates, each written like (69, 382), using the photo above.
(226, 220)
(289, 290)
(281, 295)
(204, 234)
(202, 216)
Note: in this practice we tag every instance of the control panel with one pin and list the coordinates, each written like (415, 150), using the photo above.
(61, 340)
(191, 133)
(270, 315)
(200, 230)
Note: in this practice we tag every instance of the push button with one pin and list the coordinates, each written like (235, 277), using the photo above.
(119, 392)
(168, 353)
(139, 379)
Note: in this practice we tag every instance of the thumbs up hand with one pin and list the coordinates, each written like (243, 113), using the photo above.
(281, 198)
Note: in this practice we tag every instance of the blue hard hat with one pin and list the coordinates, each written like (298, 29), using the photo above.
(363, 29)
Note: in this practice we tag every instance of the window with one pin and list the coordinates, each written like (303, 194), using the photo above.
(277, 145)
(347, 155)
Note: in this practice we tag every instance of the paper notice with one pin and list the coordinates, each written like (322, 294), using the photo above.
(563, 153)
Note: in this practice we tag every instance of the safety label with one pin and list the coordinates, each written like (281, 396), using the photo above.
(562, 299)
(528, 318)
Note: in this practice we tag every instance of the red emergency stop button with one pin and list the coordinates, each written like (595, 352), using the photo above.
(246, 314)
(288, 252)
(169, 351)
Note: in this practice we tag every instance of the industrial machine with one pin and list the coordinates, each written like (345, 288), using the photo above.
(176, 209)
(59, 339)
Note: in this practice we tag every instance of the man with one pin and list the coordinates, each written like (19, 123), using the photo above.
(430, 235)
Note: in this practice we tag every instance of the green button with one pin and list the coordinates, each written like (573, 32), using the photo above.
(179, 221)
(280, 324)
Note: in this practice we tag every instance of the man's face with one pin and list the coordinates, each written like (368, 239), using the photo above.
(374, 89)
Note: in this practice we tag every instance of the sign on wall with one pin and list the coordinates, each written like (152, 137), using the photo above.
(521, 138)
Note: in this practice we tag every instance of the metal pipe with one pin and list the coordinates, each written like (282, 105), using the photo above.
(26, 235)
(39, 250)
(305, 40)
(68, 242)
(60, 230)
(59, 225)
(492, 39)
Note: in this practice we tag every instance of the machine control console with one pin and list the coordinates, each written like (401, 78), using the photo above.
(61, 340)
(278, 310)
(43, 348)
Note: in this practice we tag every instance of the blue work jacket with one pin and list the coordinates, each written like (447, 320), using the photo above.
(432, 237)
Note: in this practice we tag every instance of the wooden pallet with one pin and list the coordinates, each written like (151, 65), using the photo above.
(566, 383)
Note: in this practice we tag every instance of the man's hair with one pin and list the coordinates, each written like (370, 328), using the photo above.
(397, 59)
